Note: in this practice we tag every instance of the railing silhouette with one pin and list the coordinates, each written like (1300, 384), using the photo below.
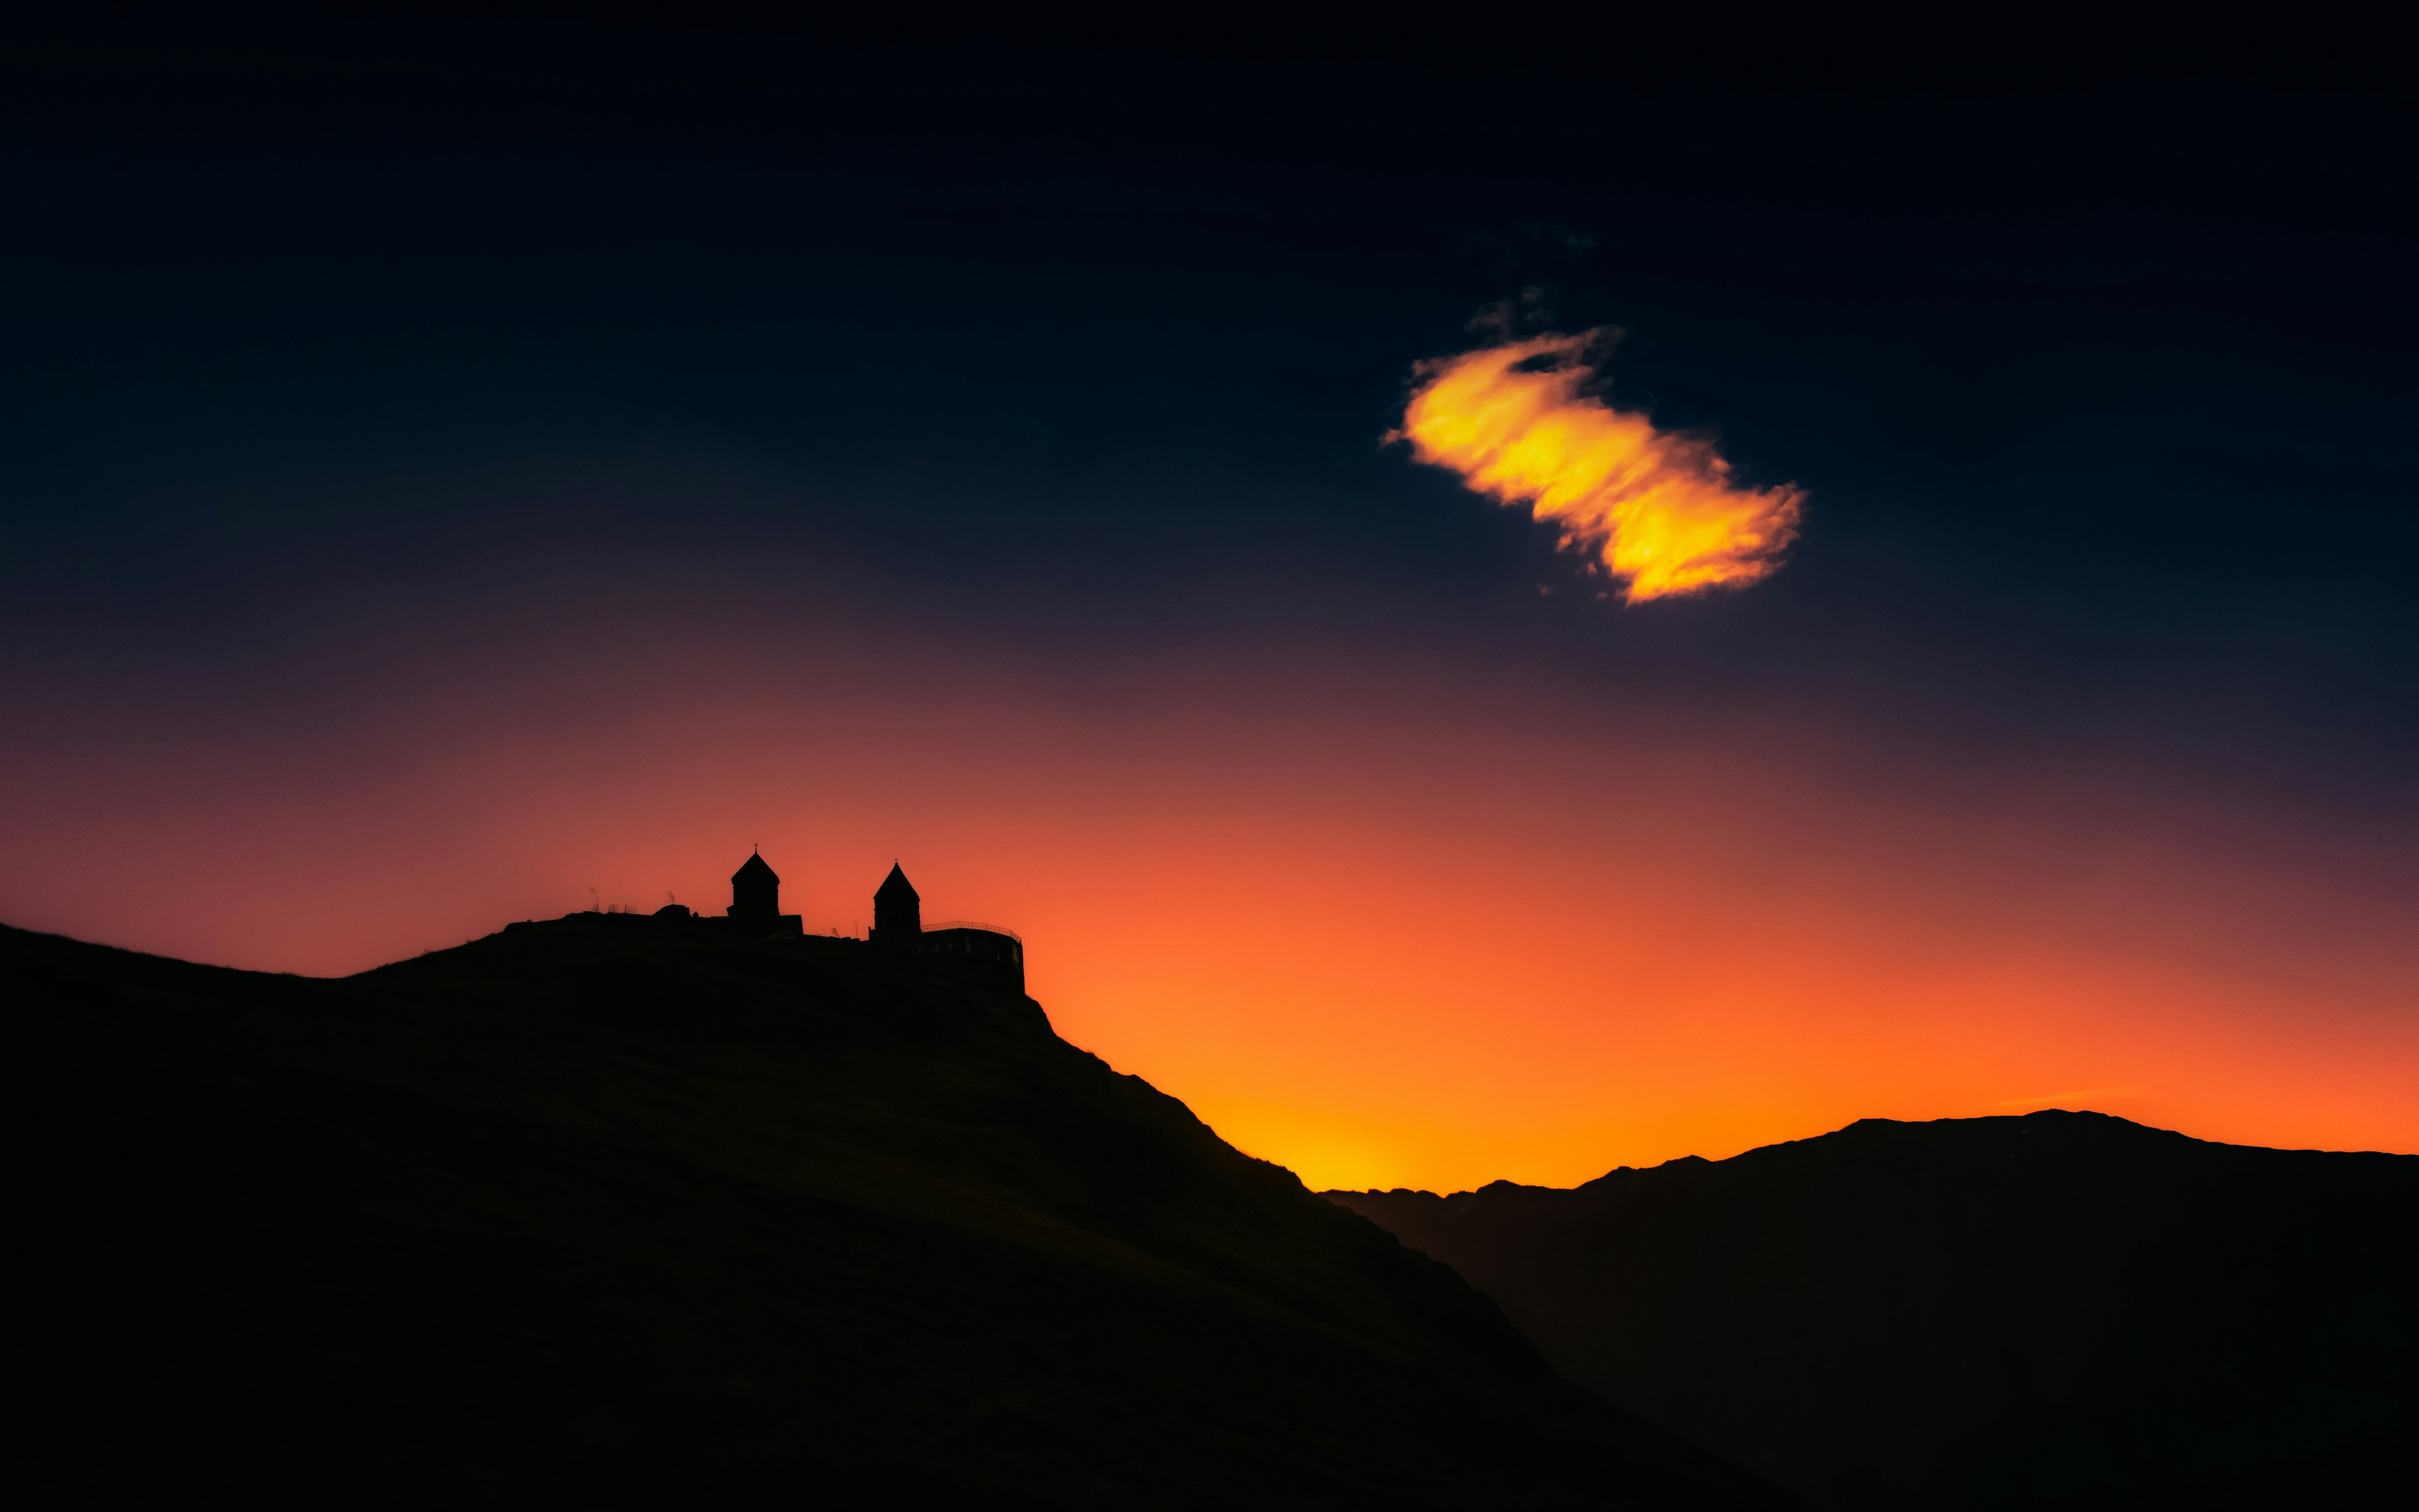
(968, 923)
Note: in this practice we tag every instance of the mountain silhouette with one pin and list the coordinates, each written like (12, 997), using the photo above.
(622, 1209)
(2063, 1310)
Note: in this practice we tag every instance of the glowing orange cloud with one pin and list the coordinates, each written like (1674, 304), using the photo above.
(1658, 509)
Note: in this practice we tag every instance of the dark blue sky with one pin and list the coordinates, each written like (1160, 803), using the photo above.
(2098, 380)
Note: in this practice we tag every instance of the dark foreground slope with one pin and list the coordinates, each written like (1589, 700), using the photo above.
(607, 1209)
(2064, 1310)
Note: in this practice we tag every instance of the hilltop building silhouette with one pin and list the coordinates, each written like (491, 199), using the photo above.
(756, 897)
(898, 912)
(982, 953)
(979, 952)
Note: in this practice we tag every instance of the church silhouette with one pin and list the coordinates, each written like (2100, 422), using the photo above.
(983, 953)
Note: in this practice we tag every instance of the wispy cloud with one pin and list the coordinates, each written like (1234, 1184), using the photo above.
(1656, 508)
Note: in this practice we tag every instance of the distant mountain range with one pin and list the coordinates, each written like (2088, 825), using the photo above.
(2061, 1311)
(602, 1211)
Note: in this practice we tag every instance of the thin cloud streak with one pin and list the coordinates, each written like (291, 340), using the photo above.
(1655, 508)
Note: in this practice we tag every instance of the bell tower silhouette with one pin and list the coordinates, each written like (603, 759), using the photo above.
(756, 892)
(898, 912)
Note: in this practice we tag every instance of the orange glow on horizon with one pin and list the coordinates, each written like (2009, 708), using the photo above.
(1658, 510)
(1388, 924)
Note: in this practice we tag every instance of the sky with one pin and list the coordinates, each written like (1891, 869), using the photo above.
(448, 487)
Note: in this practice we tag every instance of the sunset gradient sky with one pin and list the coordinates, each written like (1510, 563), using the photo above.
(419, 517)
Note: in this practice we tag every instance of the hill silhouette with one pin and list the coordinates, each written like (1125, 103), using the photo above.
(600, 1209)
(2063, 1310)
